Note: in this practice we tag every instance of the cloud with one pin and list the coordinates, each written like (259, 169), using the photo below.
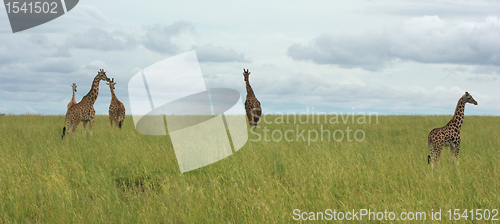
(483, 78)
(47, 44)
(442, 9)
(159, 38)
(57, 65)
(488, 70)
(479, 74)
(346, 50)
(62, 51)
(425, 39)
(88, 12)
(98, 39)
(7, 55)
(40, 40)
(211, 53)
(81, 18)
(95, 65)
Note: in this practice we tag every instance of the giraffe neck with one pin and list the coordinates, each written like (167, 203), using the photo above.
(113, 96)
(249, 89)
(73, 99)
(458, 117)
(91, 97)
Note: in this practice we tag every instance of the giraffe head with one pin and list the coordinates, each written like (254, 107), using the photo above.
(467, 98)
(111, 83)
(102, 75)
(246, 74)
(74, 87)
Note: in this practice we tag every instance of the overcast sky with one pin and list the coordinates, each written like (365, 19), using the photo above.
(389, 57)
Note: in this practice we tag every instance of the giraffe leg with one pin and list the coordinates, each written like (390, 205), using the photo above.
(256, 115)
(457, 149)
(437, 152)
(432, 151)
(117, 122)
(91, 120)
(122, 118)
(85, 126)
(430, 157)
(91, 125)
(112, 118)
(74, 125)
(452, 153)
(68, 124)
(111, 121)
(250, 118)
(68, 130)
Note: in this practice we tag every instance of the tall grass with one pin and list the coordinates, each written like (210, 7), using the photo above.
(123, 176)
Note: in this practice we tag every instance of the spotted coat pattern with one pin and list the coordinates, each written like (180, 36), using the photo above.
(449, 135)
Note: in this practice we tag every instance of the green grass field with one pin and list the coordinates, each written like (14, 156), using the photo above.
(123, 176)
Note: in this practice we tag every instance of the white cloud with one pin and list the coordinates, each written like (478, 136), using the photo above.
(441, 8)
(95, 65)
(103, 40)
(427, 39)
(159, 37)
(57, 65)
(40, 40)
(61, 51)
(87, 12)
(6, 55)
(211, 53)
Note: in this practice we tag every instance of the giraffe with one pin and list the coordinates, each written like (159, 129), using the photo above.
(84, 110)
(449, 135)
(252, 105)
(73, 101)
(116, 108)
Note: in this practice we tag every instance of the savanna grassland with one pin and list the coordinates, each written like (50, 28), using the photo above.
(121, 176)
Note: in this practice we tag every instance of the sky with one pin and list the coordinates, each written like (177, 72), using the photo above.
(385, 57)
